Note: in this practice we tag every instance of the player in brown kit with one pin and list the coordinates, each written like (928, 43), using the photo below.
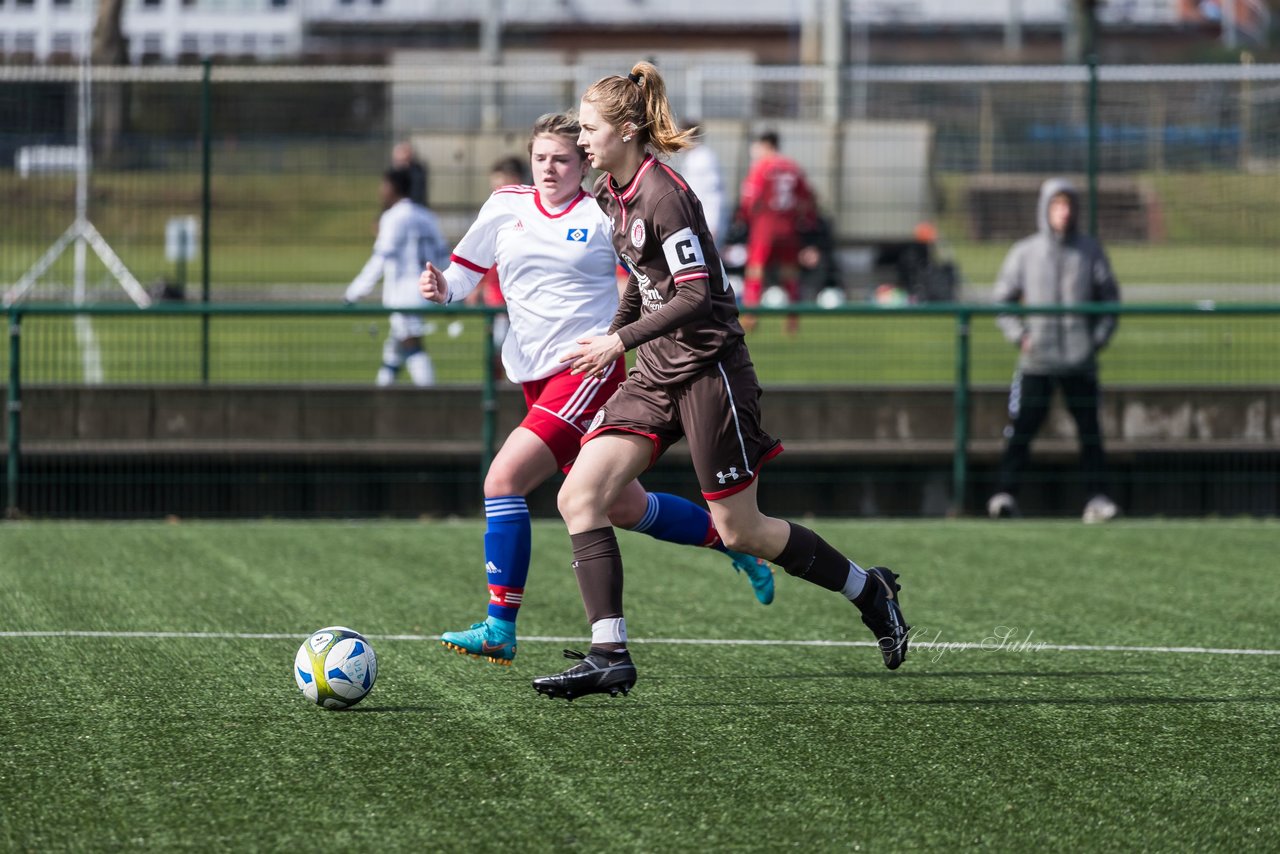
(693, 377)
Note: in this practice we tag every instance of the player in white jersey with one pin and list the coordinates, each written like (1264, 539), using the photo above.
(408, 238)
(555, 261)
(556, 269)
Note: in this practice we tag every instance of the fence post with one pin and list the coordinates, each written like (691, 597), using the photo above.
(206, 134)
(14, 407)
(1092, 164)
(489, 399)
(960, 459)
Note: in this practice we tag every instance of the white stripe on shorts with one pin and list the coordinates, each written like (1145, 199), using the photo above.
(733, 407)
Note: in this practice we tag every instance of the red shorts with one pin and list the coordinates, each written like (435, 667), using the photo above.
(562, 405)
(772, 241)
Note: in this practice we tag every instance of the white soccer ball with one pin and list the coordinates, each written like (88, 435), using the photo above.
(335, 667)
(774, 297)
(830, 298)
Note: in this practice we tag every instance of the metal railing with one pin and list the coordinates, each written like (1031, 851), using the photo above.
(781, 360)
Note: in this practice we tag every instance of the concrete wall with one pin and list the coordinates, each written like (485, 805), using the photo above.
(356, 451)
(816, 420)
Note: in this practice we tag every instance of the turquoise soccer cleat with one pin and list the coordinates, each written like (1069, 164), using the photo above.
(759, 571)
(493, 640)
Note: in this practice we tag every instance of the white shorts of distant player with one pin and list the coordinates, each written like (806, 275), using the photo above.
(414, 359)
(409, 326)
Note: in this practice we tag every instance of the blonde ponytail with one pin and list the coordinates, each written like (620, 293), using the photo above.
(640, 98)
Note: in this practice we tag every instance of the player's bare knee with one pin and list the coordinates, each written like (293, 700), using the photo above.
(622, 515)
(502, 480)
(497, 484)
(736, 537)
(575, 502)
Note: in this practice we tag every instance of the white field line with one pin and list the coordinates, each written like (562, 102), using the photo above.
(1029, 646)
(90, 352)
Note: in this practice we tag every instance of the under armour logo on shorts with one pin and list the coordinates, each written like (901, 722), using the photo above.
(732, 473)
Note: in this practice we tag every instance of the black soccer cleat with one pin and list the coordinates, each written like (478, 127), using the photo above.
(882, 614)
(596, 673)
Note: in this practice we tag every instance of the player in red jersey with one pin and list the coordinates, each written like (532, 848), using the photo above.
(692, 379)
(777, 206)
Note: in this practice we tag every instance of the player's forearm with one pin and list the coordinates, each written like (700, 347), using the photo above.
(628, 307)
(691, 303)
(366, 280)
(460, 281)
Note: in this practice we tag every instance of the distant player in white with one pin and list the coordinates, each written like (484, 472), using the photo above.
(408, 238)
(555, 260)
(701, 169)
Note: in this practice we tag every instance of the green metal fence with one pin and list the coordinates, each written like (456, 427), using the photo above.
(109, 398)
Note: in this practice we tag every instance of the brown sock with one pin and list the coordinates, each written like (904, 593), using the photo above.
(597, 563)
(808, 556)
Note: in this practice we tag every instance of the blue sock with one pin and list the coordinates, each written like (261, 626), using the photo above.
(506, 553)
(677, 520)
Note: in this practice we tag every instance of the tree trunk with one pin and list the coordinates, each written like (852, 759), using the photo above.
(109, 48)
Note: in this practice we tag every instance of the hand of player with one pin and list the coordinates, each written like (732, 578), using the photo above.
(431, 284)
(594, 354)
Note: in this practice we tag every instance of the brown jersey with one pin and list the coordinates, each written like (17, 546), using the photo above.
(678, 309)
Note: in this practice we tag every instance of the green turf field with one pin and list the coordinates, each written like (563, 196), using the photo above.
(160, 742)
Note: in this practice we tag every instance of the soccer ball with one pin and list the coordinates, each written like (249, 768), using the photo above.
(774, 297)
(335, 667)
(830, 297)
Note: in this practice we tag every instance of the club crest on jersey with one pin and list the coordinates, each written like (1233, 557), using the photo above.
(577, 235)
(637, 233)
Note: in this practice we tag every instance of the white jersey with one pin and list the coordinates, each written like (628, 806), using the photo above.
(701, 170)
(557, 270)
(408, 237)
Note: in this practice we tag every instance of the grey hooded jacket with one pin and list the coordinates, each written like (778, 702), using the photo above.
(1050, 269)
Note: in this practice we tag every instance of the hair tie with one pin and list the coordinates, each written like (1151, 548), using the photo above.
(635, 78)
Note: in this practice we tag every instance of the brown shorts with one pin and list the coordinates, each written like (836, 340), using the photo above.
(718, 411)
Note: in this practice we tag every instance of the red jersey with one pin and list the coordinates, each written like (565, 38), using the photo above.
(491, 289)
(775, 187)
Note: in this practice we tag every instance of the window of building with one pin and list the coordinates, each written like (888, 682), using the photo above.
(55, 2)
(24, 4)
(152, 44)
(63, 42)
(249, 42)
(24, 42)
(279, 4)
(151, 4)
(190, 43)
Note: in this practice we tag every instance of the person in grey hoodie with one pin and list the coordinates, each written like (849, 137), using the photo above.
(1056, 266)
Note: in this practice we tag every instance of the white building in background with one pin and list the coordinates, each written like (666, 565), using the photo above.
(170, 30)
(163, 30)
